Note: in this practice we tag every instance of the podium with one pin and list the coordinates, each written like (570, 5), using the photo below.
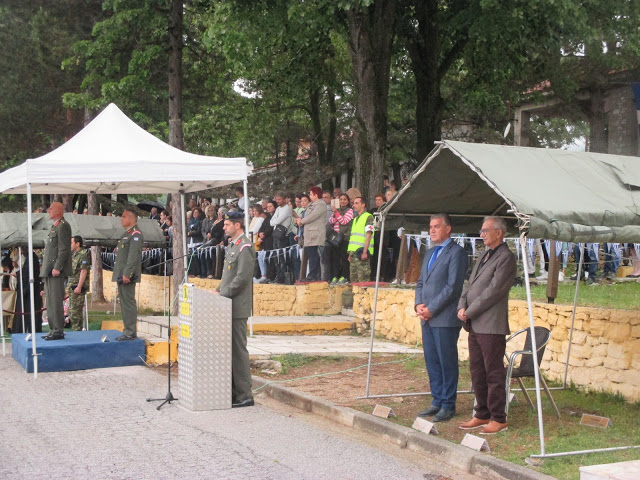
(204, 374)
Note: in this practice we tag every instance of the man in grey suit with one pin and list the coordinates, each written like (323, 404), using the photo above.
(437, 294)
(484, 307)
(56, 267)
(237, 284)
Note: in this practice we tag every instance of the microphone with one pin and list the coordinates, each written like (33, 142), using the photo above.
(208, 243)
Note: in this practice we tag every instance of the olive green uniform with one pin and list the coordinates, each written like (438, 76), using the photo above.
(57, 256)
(237, 284)
(128, 263)
(79, 261)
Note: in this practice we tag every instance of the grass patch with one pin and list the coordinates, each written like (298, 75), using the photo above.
(297, 360)
(616, 295)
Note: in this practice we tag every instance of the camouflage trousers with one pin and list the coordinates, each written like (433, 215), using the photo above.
(76, 309)
(359, 270)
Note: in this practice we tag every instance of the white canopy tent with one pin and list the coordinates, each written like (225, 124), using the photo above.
(113, 155)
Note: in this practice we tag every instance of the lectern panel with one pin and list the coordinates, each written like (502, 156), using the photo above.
(204, 373)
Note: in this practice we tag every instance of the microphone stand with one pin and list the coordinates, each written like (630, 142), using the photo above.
(168, 398)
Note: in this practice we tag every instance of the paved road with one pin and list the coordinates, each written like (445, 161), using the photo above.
(97, 424)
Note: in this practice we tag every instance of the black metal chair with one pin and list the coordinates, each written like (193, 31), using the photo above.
(526, 367)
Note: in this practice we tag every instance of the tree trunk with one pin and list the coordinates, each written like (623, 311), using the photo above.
(314, 98)
(97, 285)
(175, 135)
(598, 140)
(370, 40)
(93, 206)
(333, 126)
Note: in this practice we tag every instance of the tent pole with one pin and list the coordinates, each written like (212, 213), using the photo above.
(534, 347)
(375, 305)
(21, 289)
(573, 314)
(184, 236)
(164, 285)
(31, 284)
(247, 204)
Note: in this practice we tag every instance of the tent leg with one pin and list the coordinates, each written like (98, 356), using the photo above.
(534, 347)
(184, 237)
(375, 307)
(21, 290)
(86, 313)
(247, 204)
(573, 314)
(34, 351)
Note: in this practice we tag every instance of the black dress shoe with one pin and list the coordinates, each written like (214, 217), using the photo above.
(444, 415)
(124, 338)
(432, 410)
(54, 336)
(244, 403)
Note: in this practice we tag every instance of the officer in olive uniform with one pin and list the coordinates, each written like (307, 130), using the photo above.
(78, 282)
(237, 284)
(127, 271)
(56, 267)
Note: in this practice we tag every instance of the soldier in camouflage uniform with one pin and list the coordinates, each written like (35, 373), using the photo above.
(237, 284)
(78, 282)
(127, 271)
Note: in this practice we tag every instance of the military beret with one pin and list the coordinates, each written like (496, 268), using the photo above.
(237, 216)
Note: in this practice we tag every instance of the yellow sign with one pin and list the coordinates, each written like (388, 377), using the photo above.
(185, 293)
(185, 308)
(185, 331)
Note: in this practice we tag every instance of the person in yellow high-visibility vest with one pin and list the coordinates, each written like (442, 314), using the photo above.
(360, 243)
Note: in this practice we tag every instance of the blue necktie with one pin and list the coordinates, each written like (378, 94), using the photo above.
(436, 250)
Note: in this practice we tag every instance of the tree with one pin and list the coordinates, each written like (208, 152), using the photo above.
(175, 134)
(370, 33)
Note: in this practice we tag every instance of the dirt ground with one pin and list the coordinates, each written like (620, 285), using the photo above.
(398, 374)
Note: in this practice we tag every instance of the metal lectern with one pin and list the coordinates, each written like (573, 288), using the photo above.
(204, 373)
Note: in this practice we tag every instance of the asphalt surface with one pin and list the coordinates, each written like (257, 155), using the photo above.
(98, 424)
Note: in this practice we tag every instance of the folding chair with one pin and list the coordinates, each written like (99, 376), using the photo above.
(526, 367)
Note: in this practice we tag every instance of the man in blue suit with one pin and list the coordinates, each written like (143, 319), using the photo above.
(437, 294)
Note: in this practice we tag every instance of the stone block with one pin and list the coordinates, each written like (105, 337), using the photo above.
(579, 338)
(623, 316)
(596, 327)
(618, 332)
(579, 351)
(617, 364)
(595, 362)
(615, 350)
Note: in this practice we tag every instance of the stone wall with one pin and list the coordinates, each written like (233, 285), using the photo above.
(269, 299)
(605, 351)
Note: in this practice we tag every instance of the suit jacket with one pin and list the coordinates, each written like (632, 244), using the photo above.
(440, 288)
(57, 250)
(237, 277)
(486, 296)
